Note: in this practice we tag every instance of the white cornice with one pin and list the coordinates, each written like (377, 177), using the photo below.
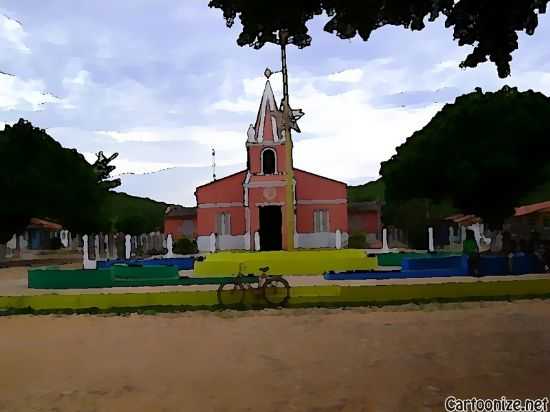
(265, 184)
(214, 205)
(322, 201)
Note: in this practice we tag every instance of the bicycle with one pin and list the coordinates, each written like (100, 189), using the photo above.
(274, 289)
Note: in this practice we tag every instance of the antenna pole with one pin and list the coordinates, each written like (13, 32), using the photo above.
(213, 164)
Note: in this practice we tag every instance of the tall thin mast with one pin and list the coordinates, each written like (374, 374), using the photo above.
(213, 164)
(290, 218)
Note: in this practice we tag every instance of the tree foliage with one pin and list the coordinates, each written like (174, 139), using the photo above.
(40, 178)
(131, 214)
(490, 26)
(366, 192)
(483, 154)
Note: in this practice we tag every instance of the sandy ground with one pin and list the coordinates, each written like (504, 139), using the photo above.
(391, 359)
(13, 282)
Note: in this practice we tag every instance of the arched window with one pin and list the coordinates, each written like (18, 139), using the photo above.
(268, 162)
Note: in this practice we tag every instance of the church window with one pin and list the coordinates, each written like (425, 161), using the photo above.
(320, 221)
(224, 224)
(268, 162)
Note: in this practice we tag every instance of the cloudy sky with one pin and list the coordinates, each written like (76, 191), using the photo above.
(162, 82)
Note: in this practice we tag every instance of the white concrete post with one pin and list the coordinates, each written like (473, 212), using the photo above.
(106, 247)
(256, 241)
(86, 262)
(338, 239)
(431, 239)
(22, 243)
(462, 233)
(127, 246)
(169, 246)
(63, 238)
(96, 247)
(212, 242)
(385, 243)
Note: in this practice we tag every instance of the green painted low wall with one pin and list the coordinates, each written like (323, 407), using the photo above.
(302, 296)
(118, 275)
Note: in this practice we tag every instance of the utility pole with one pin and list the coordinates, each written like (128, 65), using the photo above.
(290, 217)
(287, 120)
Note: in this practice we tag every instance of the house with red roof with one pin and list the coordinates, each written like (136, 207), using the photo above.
(531, 218)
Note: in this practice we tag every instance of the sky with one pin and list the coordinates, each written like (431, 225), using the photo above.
(163, 82)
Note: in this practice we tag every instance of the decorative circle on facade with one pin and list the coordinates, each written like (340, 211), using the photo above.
(270, 193)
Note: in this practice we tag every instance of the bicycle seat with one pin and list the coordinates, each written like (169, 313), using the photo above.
(264, 269)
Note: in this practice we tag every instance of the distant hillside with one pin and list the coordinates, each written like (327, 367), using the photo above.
(132, 214)
(367, 192)
(175, 185)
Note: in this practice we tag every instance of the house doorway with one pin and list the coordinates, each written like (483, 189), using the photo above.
(271, 219)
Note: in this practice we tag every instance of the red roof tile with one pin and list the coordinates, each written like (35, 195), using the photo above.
(532, 208)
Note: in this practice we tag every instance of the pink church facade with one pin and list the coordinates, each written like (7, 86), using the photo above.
(246, 210)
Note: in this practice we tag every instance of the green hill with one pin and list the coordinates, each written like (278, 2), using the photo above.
(367, 192)
(132, 214)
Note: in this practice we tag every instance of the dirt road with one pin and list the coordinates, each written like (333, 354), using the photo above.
(392, 359)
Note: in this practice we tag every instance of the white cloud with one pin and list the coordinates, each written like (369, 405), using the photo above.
(18, 94)
(12, 31)
(346, 76)
(346, 135)
(130, 166)
(238, 106)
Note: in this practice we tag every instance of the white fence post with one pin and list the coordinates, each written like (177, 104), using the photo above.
(169, 246)
(96, 247)
(256, 241)
(86, 262)
(127, 246)
(106, 247)
(338, 239)
(212, 243)
(431, 239)
(385, 239)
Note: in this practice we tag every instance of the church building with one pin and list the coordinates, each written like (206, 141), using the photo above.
(246, 210)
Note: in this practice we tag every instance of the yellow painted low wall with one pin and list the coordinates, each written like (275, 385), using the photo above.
(299, 296)
(307, 262)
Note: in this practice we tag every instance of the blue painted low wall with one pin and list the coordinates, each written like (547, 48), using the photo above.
(435, 267)
(186, 263)
(493, 265)
(412, 268)
(446, 267)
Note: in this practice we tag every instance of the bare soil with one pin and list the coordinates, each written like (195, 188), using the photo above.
(392, 359)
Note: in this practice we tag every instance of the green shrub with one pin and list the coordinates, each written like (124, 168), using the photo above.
(185, 246)
(357, 241)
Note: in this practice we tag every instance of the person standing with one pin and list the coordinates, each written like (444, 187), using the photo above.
(471, 249)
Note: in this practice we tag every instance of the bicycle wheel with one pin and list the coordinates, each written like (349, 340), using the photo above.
(231, 293)
(276, 291)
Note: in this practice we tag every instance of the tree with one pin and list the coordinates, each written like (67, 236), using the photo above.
(490, 26)
(40, 178)
(482, 154)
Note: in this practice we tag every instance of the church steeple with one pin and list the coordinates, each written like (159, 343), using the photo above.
(266, 127)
